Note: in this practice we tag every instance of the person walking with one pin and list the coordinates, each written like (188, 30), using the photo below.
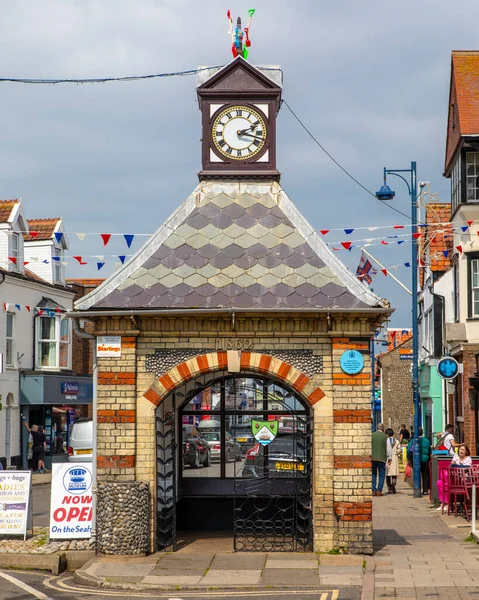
(446, 440)
(425, 452)
(39, 447)
(379, 459)
(393, 448)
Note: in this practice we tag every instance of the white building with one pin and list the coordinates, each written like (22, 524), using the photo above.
(35, 336)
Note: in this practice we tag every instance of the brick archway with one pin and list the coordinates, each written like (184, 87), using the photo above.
(248, 361)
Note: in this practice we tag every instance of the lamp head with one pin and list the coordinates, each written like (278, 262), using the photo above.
(385, 193)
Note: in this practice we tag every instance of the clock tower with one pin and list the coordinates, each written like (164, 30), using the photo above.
(239, 104)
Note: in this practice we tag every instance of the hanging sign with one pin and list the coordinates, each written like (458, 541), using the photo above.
(15, 487)
(108, 346)
(71, 501)
(448, 367)
(264, 431)
(351, 362)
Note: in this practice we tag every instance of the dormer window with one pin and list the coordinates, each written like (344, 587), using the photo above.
(472, 176)
(57, 265)
(15, 251)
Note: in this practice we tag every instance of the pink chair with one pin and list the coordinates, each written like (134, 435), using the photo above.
(460, 481)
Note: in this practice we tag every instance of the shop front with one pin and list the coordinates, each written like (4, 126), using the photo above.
(55, 401)
(431, 393)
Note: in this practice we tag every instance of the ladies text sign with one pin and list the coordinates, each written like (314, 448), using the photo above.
(15, 489)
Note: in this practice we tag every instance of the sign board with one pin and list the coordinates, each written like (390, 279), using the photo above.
(15, 488)
(264, 431)
(71, 501)
(108, 346)
(448, 367)
(351, 362)
(405, 354)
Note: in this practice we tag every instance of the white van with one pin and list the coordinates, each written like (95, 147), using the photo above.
(81, 441)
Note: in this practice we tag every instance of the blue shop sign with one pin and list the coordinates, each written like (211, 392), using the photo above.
(448, 367)
(70, 387)
(351, 362)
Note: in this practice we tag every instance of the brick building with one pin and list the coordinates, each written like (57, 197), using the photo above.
(396, 386)
(235, 315)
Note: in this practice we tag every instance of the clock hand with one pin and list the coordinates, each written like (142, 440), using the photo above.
(256, 137)
(243, 131)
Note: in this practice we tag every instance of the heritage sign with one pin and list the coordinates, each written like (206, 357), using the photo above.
(448, 368)
(351, 362)
(71, 501)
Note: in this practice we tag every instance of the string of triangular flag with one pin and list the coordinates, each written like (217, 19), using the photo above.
(100, 260)
(41, 311)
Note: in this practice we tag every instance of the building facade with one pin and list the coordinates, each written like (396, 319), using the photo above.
(236, 392)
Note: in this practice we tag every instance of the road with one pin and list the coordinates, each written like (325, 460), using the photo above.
(20, 585)
(41, 505)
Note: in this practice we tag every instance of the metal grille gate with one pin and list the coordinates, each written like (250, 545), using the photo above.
(165, 478)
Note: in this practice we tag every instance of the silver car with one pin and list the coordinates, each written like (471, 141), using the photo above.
(232, 448)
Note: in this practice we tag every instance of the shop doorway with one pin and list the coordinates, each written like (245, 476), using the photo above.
(234, 454)
(8, 430)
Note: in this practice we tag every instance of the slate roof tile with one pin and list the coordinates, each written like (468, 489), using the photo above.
(232, 248)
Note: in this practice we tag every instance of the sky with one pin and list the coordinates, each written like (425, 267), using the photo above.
(368, 79)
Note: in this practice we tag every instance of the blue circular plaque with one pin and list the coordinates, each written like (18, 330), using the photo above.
(448, 367)
(351, 362)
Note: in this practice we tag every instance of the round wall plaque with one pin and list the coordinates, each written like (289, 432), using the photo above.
(351, 362)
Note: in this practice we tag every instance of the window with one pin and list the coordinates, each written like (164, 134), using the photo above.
(472, 176)
(57, 265)
(53, 343)
(427, 330)
(10, 354)
(456, 184)
(15, 250)
(474, 287)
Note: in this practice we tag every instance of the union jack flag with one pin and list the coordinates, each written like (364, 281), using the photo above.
(365, 271)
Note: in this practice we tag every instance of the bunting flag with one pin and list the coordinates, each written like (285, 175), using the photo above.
(80, 260)
(465, 228)
(348, 231)
(51, 312)
(106, 238)
(13, 259)
(384, 272)
(325, 231)
(446, 253)
(122, 259)
(99, 265)
(33, 234)
(398, 226)
(81, 236)
(58, 236)
(129, 239)
(416, 235)
(346, 245)
(470, 223)
(365, 270)
(459, 249)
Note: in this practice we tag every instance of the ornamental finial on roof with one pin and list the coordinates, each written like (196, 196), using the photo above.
(240, 38)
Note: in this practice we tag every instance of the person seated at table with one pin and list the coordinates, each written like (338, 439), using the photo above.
(461, 459)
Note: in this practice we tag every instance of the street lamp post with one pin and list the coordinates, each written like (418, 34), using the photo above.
(385, 193)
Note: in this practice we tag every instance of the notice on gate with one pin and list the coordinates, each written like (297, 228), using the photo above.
(15, 487)
(71, 501)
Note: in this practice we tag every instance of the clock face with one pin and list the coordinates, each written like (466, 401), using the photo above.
(239, 132)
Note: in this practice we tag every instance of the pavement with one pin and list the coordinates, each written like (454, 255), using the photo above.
(187, 570)
(420, 554)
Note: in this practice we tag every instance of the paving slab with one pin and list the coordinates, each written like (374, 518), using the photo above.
(238, 561)
(291, 564)
(290, 577)
(173, 561)
(121, 570)
(158, 572)
(171, 580)
(232, 578)
(344, 560)
(330, 570)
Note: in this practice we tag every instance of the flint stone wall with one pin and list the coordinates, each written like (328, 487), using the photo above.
(123, 517)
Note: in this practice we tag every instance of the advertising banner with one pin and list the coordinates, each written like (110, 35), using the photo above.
(108, 346)
(15, 489)
(71, 501)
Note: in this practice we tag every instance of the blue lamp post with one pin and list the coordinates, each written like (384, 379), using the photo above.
(384, 194)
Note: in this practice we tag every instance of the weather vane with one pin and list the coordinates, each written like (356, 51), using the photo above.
(240, 38)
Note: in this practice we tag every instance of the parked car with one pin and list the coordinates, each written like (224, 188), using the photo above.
(282, 458)
(244, 437)
(196, 452)
(232, 448)
(81, 441)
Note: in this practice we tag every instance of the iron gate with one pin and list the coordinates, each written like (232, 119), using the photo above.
(269, 486)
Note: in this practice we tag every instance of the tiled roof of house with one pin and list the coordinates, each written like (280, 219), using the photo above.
(463, 116)
(87, 282)
(234, 245)
(396, 337)
(43, 227)
(466, 77)
(6, 207)
(436, 239)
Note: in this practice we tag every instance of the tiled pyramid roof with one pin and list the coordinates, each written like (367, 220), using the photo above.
(233, 245)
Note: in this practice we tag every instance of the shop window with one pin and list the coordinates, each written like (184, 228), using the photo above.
(53, 343)
(10, 350)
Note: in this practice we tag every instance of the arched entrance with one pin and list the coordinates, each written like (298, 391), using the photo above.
(214, 474)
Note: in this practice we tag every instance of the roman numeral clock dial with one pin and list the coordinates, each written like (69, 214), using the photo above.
(239, 133)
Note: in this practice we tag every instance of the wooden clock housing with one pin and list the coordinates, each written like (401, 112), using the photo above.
(239, 84)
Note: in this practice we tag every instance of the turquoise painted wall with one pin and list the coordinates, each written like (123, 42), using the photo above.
(431, 386)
